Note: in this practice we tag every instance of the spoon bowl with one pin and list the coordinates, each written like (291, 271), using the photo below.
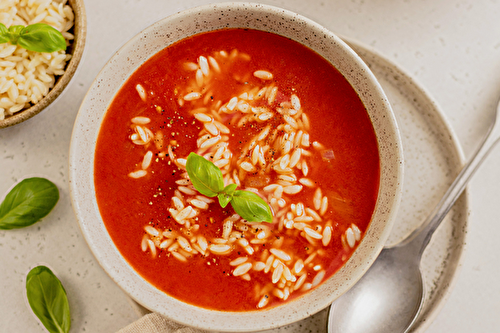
(393, 285)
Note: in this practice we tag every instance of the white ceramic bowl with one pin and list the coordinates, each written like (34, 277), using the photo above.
(179, 26)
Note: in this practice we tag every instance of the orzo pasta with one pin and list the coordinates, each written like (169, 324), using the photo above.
(278, 120)
(27, 76)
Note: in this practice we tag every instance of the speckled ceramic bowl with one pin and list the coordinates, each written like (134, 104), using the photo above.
(179, 26)
(76, 50)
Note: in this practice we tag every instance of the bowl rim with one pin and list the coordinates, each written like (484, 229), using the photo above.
(80, 29)
(116, 266)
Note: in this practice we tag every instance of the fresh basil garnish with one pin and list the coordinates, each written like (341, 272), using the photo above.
(28, 202)
(205, 176)
(250, 206)
(208, 180)
(38, 37)
(48, 299)
(4, 38)
(14, 32)
(226, 195)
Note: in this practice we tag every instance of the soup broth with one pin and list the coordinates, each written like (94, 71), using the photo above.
(278, 120)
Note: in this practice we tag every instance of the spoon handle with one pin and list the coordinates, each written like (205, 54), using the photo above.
(419, 238)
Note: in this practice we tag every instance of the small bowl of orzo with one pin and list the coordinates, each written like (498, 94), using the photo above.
(41, 45)
(235, 167)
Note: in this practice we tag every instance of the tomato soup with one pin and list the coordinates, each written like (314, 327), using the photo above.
(278, 120)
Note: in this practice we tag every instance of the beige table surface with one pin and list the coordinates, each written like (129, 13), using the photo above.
(452, 47)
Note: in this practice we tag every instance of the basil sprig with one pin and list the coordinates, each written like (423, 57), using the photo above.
(38, 37)
(208, 180)
(28, 202)
(226, 195)
(48, 299)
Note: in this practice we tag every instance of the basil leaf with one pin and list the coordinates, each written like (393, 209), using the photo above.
(4, 34)
(205, 176)
(251, 207)
(41, 37)
(28, 202)
(48, 299)
(14, 32)
(226, 195)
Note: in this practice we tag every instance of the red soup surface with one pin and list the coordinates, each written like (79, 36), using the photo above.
(278, 120)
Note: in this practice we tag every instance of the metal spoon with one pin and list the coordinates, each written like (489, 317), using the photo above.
(389, 297)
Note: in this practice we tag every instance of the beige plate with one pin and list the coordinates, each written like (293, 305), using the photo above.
(433, 158)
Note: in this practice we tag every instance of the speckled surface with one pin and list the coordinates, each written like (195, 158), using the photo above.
(451, 47)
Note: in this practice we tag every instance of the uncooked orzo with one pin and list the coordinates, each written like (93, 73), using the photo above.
(27, 76)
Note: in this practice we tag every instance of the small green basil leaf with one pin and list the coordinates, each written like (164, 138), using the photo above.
(28, 202)
(226, 195)
(205, 176)
(41, 37)
(48, 299)
(4, 34)
(224, 199)
(14, 32)
(251, 207)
